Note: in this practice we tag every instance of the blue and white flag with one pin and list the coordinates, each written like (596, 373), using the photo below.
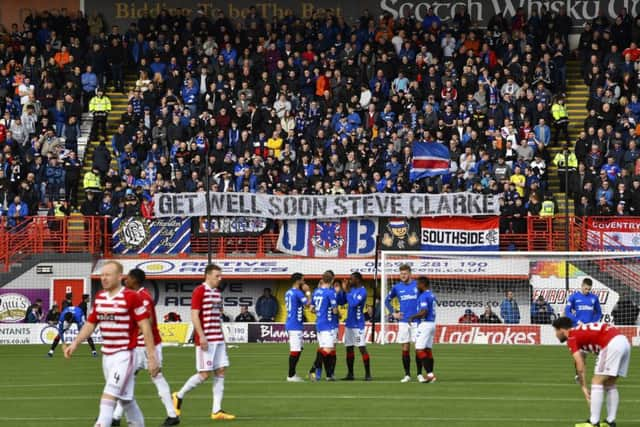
(429, 159)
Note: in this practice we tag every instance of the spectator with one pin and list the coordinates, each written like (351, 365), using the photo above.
(53, 315)
(488, 316)
(224, 317)
(267, 306)
(468, 317)
(244, 315)
(18, 211)
(34, 313)
(67, 301)
(541, 312)
(509, 310)
(625, 312)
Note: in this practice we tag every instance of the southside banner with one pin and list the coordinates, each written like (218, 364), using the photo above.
(138, 235)
(460, 234)
(339, 238)
(325, 207)
(123, 12)
(613, 234)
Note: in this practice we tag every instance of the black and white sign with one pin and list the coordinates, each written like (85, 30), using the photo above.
(326, 207)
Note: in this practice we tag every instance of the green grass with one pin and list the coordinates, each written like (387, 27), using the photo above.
(477, 386)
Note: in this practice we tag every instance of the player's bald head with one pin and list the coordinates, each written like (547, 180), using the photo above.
(118, 268)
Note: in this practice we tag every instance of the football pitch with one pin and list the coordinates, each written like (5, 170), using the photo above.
(477, 385)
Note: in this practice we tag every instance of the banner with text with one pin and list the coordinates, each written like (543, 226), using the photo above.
(232, 226)
(138, 235)
(338, 238)
(326, 207)
(14, 303)
(460, 234)
(124, 12)
(400, 234)
(613, 234)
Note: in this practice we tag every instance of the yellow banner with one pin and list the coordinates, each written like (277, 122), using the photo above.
(176, 333)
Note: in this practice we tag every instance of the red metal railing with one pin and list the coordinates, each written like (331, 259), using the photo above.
(92, 235)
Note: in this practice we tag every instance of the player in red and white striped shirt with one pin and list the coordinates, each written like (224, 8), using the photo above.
(211, 352)
(121, 315)
(613, 350)
(134, 281)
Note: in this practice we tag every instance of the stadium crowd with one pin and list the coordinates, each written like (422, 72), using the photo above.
(314, 106)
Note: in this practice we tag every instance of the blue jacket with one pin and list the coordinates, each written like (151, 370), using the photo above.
(89, 82)
(267, 308)
(23, 211)
(509, 311)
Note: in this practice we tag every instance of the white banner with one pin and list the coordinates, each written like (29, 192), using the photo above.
(325, 207)
(550, 284)
(193, 268)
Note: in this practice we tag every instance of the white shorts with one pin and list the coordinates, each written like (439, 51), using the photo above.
(406, 333)
(214, 358)
(335, 335)
(613, 360)
(295, 340)
(424, 337)
(118, 370)
(354, 337)
(141, 357)
(326, 339)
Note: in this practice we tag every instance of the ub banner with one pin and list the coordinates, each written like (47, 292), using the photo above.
(460, 234)
(336, 238)
(325, 207)
(138, 235)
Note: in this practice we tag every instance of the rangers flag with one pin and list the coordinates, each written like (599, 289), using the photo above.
(429, 159)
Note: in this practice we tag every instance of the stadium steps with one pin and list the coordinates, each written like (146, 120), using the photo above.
(119, 103)
(576, 100)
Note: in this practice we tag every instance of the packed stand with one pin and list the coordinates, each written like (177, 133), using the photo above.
(317, 106)
(46, 82)
(607, 178)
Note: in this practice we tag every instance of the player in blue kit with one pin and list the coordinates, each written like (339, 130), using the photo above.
(315, 373)
(295, 300)
(407, 294)
(583, 306)
(326, 309)
(426, 318)
(355, 296)
(68, 317)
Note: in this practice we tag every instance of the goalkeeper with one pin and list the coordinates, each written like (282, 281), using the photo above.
(68, 317)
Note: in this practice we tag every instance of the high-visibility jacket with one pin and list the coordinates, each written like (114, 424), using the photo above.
(100, 104)
(548, 208)
(572, 160)
(91, 180)
(559, 111)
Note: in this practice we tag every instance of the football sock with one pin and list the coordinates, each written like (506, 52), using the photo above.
(367, 366)
(55, 342)
(191, 383)
(326, 360)
(133, 412)
(293, 361)
(350, 357)
(118, 411)
(164, 391)
(418, 366)
(597, 396)
(333, 359)
(428, 366)
(406, 362)
(613, 399)
(218, 391)
(421, 358)
(106, 413)
(91, 344)
(318, 362)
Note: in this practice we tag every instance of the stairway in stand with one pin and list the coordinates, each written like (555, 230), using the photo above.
(118, 106)
(576, 101)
